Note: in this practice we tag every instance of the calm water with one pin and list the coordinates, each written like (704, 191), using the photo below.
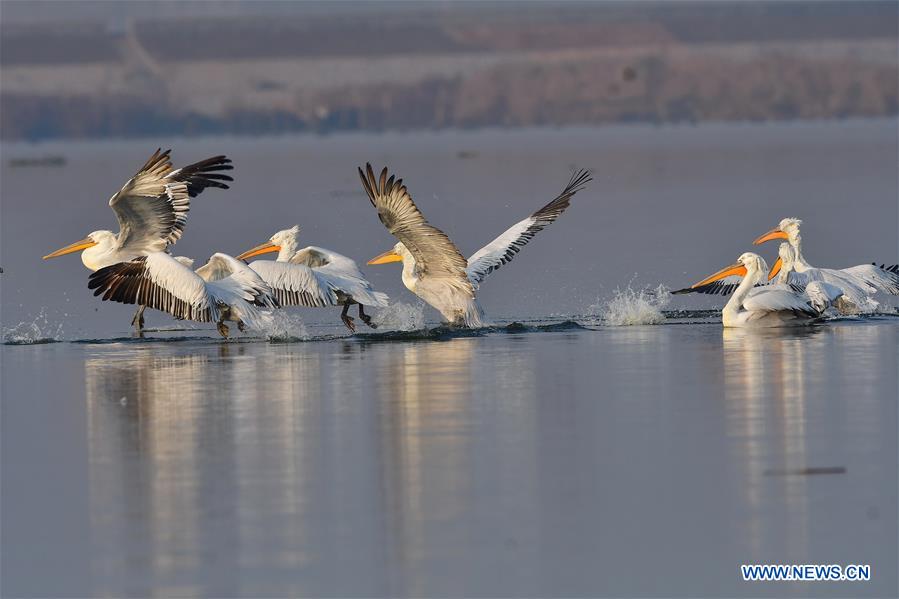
(567, 460)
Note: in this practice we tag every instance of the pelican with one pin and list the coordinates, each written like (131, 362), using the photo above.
(433, 267)
(152, 211)
(853, 299)
(866, 277)
(771, 305)
(314, 277)
(222, 289)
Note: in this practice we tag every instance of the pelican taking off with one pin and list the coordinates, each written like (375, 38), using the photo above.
(770, 305)
(222, 289)
(152, 210)
(866, 277)
(314, 277)
(433, 267)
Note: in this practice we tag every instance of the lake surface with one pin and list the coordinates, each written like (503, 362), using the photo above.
(565, 456)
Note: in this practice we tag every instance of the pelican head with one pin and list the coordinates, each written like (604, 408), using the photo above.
(788, 229)
(399, 253)
(93, 247)
(284, 242)
(748, 265)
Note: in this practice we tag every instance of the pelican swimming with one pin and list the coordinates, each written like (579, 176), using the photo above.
(152, 211)
(784, 268)
(314, 277)
(858, 283)
(222, 289)
(433, 267)
(770, 305)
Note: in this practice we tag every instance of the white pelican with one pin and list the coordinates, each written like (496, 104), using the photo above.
(152, 210)
(866, 277)
(314, 277)
(784, 268)
(433, 267)
(222, 289)
(769, 305)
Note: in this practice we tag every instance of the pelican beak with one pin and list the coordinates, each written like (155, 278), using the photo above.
(388, 256)
(770, 236)
(85, 243)
(775, 269)
(734, 269)
(264, 248)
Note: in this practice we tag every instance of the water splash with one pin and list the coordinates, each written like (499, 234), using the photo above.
(280, 325)
(401, 316)
(39, 330)
(631, 307)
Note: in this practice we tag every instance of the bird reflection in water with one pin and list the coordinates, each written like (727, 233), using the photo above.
(767, 391)
(242, 457)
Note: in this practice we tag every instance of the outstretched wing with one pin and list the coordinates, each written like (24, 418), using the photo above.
(295, 284)
(502, 249)
(152, 206)
(724, 286)
(435, 255)
(883, 278)
(157, 281)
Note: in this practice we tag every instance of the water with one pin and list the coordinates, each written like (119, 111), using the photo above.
(579, 453)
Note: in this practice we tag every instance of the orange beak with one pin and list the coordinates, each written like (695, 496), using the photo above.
(770, 236)
(775, 269)
(734, 269)
(264, 248)
(386, 257)
(85, 243)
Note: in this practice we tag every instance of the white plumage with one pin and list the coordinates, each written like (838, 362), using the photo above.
(855, 293)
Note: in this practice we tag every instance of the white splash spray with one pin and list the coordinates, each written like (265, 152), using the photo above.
(39, 330)
(280, 325)
(401, 316)
(631, 307)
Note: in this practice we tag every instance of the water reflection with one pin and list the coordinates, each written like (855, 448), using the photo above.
(293, 463)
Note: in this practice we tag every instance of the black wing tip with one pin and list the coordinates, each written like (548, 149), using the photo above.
(683, 291)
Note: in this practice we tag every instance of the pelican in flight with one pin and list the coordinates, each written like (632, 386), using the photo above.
(433, 267)
(152, 210)
(222, 289)
(314, 277)
(769, 305)
(856, 282)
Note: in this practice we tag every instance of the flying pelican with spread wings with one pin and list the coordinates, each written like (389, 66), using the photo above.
(152, 210)
(433, 267)
(314, 277)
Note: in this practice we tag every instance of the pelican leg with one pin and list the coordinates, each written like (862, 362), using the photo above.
(347, 319)
(222, 328)
(138, 321)
(241, 326)
(366, 318)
